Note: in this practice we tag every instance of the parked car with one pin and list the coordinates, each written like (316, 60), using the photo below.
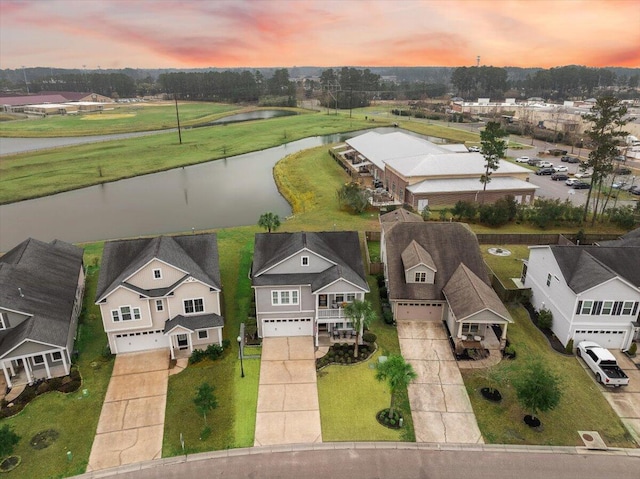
(635, 190)
(581, 185)
(571, 181)
(522, 159)
(622, 171)
(560, 168)
(533, 161)
(602, 363)
(545, 171)
(545, 164)
(559, 176)
(474, 149)
(583, 174)
(618, 185)
(573, 159)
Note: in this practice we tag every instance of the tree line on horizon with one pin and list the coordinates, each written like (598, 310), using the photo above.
(342, 88)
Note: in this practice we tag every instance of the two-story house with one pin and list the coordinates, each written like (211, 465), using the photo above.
(161, 292)
(303, 281)
(593, 292)
(41, 290)
(435, 272)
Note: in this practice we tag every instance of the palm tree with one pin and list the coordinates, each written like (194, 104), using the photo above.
(269, 221)
(398, 373)
(361, 315)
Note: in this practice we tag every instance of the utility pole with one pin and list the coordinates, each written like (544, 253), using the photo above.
(478, 61)
(175, 97)
(26, 83)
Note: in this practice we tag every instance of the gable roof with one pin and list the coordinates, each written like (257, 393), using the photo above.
(39, 279)
(197, 255)
(193, 322)
(467, 295)
(449, 244)
(340, 247)
(400, 214)
(632, 238)
(414, 255)
(584, 267)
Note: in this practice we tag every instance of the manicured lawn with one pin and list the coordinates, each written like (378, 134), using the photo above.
(506, 267)
(582, 407)
(374, 251)
(74, 415)
(34, 174)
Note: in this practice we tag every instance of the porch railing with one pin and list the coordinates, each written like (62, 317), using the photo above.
(331, 313)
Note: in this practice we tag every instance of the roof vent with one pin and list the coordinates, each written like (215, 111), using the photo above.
(21, 293)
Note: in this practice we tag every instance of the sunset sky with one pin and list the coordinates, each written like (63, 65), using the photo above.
(286, 33)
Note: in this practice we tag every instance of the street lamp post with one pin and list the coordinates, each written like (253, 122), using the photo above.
(240, 353)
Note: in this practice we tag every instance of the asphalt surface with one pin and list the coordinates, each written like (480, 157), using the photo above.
(390, 460)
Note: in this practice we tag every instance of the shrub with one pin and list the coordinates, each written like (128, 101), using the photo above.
(42, 388)
(510, 351)
(196, 356)
(545, 319)
(369, 337)
(633, 349)
(226, 343)
(569, 347)
(383, 292)
(8, 440)
(214, 352)
(380, 279)
(387, 316)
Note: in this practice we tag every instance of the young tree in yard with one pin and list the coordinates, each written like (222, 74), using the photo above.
(269, 221)
(398, 373)
(361, 315)
(538, 388)
(493, 149)
(607, 117)
(205, 400)
(8, 440)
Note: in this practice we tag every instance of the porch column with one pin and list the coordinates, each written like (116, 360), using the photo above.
(220, 336)
(190, 342)
(46, 366)
(504, 331)
(6, 375)
(26, 370)
(13, 371)
(459, 330)
(65, 364)
(173, 354)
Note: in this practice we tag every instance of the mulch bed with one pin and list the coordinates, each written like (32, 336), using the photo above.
(342, 353)
(554, 342)
(44, 439)
(491, 394)
(386, 420)
(9, 463)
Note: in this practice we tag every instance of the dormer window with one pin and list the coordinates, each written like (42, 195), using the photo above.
(421, 277)
(157, 274)
(304, 261)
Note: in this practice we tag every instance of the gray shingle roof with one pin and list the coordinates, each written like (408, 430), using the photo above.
(632, 238)
(467, 295)
(584, 267)
(341, 247)
(414, 254)
(449, 244)
(195, 254)
(194, 322)
(47, 275)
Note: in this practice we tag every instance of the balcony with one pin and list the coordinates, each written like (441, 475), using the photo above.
(333, 313)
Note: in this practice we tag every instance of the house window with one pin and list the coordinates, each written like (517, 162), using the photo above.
(549, 279)
(322, 301)
(192, 306)
(469, 328)
(627, 307)
(607, 306)
(203, 334)
(339, 298)
(39, 359)
(3, 324)
(351, 297)
(57, 356)
(126, 313)
(421, 277)
(284, 297)
(586, 307)
(304, 261)
(157, 274)
(159, 305)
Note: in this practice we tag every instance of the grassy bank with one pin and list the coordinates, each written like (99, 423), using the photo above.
(30, 175)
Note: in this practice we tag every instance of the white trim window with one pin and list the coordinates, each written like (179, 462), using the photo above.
(159, 305)
(126, 313)
(284, 297)
(39, 359)
(157, 273)
(203, 334)
(56, 356)
(420, 277)
(3, 323)
(304, 261)
(193, 306)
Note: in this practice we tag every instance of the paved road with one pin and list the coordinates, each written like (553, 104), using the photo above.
(390, 460)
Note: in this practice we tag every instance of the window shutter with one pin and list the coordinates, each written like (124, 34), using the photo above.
(579, 307)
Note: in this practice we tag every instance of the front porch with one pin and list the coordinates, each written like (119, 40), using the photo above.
(24, 378)
(33, 367)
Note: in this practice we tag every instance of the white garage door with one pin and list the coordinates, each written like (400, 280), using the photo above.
(132, 342)
(606, 339)
(287, 327)
(419, 311)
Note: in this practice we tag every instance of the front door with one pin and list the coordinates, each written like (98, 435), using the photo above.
(183, 342)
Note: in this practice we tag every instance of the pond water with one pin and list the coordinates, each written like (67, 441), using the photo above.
(223, 193)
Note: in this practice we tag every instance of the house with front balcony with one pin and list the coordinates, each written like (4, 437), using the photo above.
(434, 272)
(593, 292)
(41, 291)
(161, 292)
(303, 281)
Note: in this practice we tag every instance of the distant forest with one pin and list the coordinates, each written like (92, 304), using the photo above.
(343, 87)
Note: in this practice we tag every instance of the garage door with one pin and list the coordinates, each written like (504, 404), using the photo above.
(419, 311)
(287, 327)
(606, 339)
(132, 342)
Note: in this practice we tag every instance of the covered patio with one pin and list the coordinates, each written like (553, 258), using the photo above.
(29, 368)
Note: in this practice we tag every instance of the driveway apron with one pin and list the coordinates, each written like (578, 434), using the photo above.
(440, 406)
(131, 423)
(288, 408)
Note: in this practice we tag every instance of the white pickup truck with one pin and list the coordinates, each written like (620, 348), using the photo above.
(602, 363)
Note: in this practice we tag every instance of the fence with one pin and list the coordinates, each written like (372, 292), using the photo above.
(543, 238)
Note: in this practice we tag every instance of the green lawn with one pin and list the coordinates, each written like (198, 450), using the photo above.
(374, 251)
(582, 407)
(74, 415)
(506, 267)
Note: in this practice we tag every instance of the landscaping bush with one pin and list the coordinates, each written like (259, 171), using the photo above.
(383, 293)
(545, 319)
(380, 279)
(569, 347)
(387, 316)
(214, 352)
(8, 440)
(633, 349)
(369, 337)
(196, 356)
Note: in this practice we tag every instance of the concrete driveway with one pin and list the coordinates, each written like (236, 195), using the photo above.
(440, 406)
(288, 408)
(131, 423)
(625, 401)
